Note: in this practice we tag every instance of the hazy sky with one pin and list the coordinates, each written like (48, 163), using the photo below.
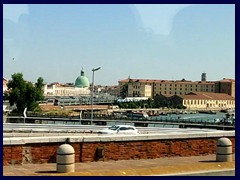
(146, 41)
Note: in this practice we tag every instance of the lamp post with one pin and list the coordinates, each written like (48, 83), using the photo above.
(93, 70)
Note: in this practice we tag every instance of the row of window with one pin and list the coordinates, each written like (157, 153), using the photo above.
(175, 85)
(212, 90)
(186, 85)
(136, 92)
(180, 93)
(199, 102)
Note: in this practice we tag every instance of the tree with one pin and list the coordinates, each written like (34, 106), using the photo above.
(24, 94)
(124, 91)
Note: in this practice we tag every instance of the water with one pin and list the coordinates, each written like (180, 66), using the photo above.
(198, 117)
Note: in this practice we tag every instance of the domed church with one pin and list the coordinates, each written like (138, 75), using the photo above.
(82, 81)
(81, 87)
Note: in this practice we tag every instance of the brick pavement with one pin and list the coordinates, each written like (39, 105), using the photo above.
(140, 167)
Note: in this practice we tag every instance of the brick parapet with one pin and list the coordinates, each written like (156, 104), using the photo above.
(115, 147)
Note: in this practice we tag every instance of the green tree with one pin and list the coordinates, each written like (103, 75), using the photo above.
(24, 94)
(124, 91)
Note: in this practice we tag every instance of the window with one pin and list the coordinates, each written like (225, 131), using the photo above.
(123, 128)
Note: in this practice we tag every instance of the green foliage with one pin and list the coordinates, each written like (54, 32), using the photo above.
(160, 101)
(24, 94)
(124, 91)
(136, 104)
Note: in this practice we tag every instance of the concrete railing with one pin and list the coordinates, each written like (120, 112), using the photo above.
(107, 138)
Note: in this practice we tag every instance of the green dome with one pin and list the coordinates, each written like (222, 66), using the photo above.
(82, 81)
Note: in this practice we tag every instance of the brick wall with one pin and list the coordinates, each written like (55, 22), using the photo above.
(87, 151)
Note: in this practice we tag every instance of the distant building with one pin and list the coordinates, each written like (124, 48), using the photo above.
(136, 90)
(5, 81)
(112, 90)
(142, 87)
(208, 101)
(226, 86)
(151, 88)
(81, 87)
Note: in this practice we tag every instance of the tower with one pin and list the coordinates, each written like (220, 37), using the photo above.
(204, 77)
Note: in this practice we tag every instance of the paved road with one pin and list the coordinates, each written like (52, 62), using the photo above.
(21, 127)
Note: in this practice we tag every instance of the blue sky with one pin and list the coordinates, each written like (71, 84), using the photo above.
(145, 41)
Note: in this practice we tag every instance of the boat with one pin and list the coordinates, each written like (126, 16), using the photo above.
(137, 115)
(228, 119)
(207, 111)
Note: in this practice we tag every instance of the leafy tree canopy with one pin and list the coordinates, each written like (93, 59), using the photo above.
(24, 94)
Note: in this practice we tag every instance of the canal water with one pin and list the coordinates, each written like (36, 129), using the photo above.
(197, 117)
(194, 117)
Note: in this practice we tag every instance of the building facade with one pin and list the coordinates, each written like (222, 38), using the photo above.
(5, 81)
(164, 87)
(226, 86)
(138, 90)
(208, 101)
(81, 87)
(57, 89)
(139, 87)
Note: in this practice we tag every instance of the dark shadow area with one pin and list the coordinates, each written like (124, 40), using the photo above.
(209, 161)
(46, 172)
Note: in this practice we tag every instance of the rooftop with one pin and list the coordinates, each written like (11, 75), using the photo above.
(208, 96)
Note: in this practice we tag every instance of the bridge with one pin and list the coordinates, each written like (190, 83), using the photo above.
(180, 123)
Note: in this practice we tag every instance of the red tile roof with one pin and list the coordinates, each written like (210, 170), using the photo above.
(208, 96)
(165, 81)
(227, 80)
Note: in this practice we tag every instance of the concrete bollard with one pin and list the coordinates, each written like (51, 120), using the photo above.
(65, 158)
(224, 150)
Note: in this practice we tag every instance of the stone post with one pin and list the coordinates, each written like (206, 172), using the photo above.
(65, 158)
(224, 150)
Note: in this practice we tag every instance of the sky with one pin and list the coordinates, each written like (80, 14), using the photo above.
(143, 41)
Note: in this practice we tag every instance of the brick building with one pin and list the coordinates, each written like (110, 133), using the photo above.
(208, 101)
(139, 87)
